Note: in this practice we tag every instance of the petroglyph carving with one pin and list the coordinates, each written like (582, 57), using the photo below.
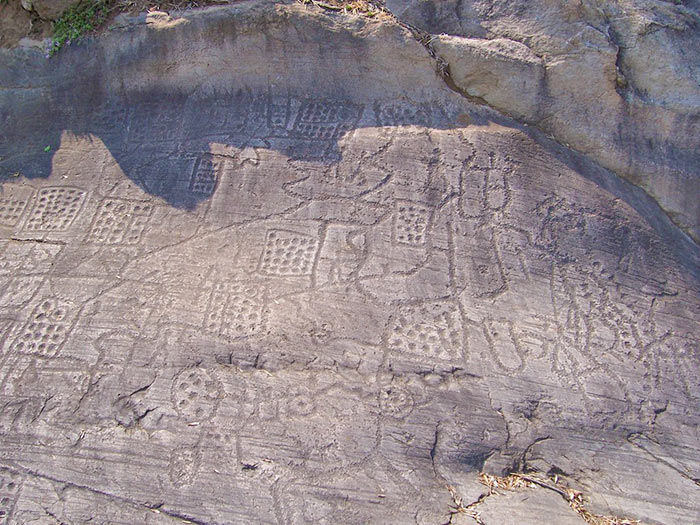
(485, 187)
(560, 219)
(245, 312)
(206, 174)
(279, 113)
(478, 265)
(184, 466)
(216, 308)
(325, 119)
(222, 113)
(432, 331)
(18, 291)
(13, 202)
(293, 295)
(337, 432)
(401, 114)
(299, 404)
(507, 351)
(411, 221)
(196, 394)
(496, 190)
(120, 222)
(55, 208)
(341, 254)
(396, 401)
(288, 253)
(46, 330)
(590, 331)
(235, 309)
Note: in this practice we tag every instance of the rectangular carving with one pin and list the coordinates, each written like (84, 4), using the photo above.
(55, 208)
(410, 223)
(288, 253)
(325, 119)
(13, 202)
(119, 221)
(46, 330)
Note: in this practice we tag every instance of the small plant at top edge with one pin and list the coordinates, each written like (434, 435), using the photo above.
(76, 22)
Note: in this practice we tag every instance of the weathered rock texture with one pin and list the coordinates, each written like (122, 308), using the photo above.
(270, 269)
(48, 9)
(618, 81)
(15, 23)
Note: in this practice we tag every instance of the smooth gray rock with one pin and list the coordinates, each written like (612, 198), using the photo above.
(503, 72)
(533, 505)
(259, 264)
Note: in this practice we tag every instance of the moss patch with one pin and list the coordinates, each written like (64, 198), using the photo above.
(77, 21)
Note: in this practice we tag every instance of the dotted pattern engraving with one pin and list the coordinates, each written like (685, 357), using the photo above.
(120, 222)
(244, 315)
(410, 223)
(235, 309)
(196, 394)
(278, 114)
(10, 487)
(401, 115)
(183, 466)
(288, 253)
(396, 401)
(218, 298)
(152, 122)
(13, 202)
(325, 120)
(205, 176)
(431, 331)
(55, 208)
(46, 330)
(324, 322)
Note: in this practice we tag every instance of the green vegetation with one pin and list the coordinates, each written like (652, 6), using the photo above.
(76, 22)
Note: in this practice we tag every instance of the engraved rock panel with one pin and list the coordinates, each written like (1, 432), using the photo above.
(431, 331)
(120, 222)
(270, 269)
(55, 208)
(288, 253)
(13, 201)
(47, 329)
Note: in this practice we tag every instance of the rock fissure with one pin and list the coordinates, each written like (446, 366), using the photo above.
(679, 468)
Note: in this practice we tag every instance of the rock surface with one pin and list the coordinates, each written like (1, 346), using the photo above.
(51, 9)
(15, 23)
(618, 81)
(259, 263)
(503, 72)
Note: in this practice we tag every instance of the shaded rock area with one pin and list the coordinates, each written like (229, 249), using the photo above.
(259, 264)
